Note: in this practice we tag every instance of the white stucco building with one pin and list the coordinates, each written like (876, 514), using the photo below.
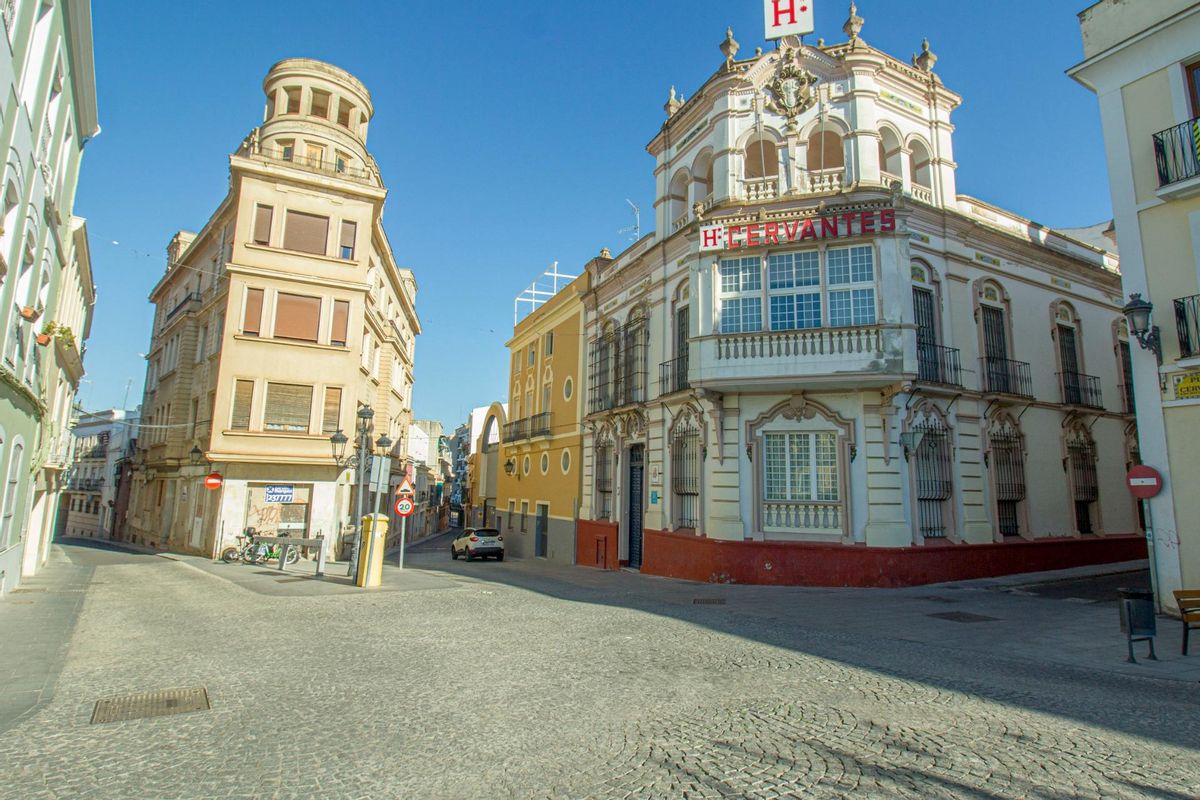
(102, 440)
(828, 365)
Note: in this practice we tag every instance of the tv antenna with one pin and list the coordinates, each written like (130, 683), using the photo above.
(542, 289)
(636, 227)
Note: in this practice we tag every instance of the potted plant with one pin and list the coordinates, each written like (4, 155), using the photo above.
(29, 313)
(65, 334)
(48, 331)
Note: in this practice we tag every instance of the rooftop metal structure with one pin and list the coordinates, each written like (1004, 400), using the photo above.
(542, 289)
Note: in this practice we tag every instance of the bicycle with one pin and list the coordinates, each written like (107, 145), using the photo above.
(253, 552)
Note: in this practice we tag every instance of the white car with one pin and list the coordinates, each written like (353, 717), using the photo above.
(478, 543)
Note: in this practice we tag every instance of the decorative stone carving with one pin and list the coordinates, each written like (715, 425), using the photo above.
(793, 89)
(729, 49)
(853, 25)
(673, 104)
(926, 60)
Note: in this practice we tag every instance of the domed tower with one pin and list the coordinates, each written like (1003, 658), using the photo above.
(317, 115)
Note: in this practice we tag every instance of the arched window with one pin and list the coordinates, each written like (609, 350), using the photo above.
(602, 457)
(920, 169)
(1001, 374)
(678, 199)
(685, 472)
(934, 365)
(890, 155)
(825, 151)
(1005, 458)
(762, 159)
(10, 495)
(702, 179)
(1085, 483)
(932, 465)
(1078, 388)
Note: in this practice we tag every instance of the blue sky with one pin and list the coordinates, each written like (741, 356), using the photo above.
(510, 135)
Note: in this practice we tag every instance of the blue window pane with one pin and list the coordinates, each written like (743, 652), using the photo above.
(751, 314)
(729, 276)
(864, 306)
(808, 311)
(861, 265)
(839, 266)
(808, 268)
(783, 312)
(839, 309)
(751, 274)
(781, 271)
(740, 315)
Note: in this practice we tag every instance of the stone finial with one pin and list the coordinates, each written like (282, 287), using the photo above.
(729, 48)
(820, 41)
(927, 59)
(853, 24)
(605, 252)
(673, 104)
(757, 52)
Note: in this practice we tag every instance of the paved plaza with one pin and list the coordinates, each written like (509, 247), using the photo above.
(521, 679)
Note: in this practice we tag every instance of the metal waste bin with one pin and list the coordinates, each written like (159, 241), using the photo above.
(1138, 621)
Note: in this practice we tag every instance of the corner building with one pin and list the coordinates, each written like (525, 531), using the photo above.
(273, 324)
(827, 366)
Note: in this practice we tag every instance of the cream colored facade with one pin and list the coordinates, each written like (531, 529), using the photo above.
(1142, 60)
(540, 459)
(860, 354)
(47, 116)
(273, 324)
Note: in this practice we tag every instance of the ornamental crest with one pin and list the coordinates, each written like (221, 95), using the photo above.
(793, 90)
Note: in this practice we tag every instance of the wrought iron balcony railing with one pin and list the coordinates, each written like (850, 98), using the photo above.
(1177, 152)
(1187, 325)
(1079, 389)
(516, 430)
(539, 424)
(333, 168)
(673, 375)
(1005, 376)
(937, 364)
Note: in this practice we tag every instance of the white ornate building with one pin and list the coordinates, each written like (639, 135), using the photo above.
(829, 366)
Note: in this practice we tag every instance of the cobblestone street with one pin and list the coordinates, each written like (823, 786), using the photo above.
(517, 679)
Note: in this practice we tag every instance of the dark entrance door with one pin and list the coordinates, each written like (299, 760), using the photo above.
(636, 467)
(540, 525)
(928, 363)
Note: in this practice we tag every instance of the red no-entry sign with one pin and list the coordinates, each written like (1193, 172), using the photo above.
(213, 480)
(1144, 482)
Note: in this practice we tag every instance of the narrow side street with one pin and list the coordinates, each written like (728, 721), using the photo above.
(568, 682)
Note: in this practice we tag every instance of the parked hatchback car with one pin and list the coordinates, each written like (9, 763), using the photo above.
(478, 543)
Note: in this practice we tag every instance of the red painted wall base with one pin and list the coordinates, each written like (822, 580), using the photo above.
(695, 558)
(596, 544)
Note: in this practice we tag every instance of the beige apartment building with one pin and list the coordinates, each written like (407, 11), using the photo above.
(1143, 62)
(274, 325)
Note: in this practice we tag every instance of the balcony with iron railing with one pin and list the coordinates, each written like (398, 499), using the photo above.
(335, 168)
(539, 424)
(857, 356)
(938, 365)
(673, 375)
(1079, 389)
(182, 304)
(516, 431)
(1177, 152)
(1187, 325)
(521, 429)
(1005, 376)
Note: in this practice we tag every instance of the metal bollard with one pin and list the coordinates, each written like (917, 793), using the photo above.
(283, 554)
(320, 556)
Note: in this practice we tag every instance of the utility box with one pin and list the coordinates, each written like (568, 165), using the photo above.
(370, 551)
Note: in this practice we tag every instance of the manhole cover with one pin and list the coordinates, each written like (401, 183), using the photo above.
(150, 704)
(964, 616)
(708, 601)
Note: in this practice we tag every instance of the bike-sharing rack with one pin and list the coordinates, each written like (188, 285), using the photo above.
(286, 542)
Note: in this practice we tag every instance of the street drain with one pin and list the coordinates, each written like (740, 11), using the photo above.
(150, 704)
(708, 601)
(964, 616)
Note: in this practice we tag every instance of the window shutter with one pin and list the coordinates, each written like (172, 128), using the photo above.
(349, 229)
(252, 321)
(288, 407)
(242, 393)
(297, 317)
(332, 411)
(341, 315)
(307, 233)
(262, 224)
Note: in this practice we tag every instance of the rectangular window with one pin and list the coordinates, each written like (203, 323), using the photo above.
(307, 233)
(289, 408)
(252, 317)
(262, 224)
(349, 229)
(801, 467)
(545, 398)
(1193, 85)
(332, 412)
(293, 100)
(344, 111)
(741, 295)
(297, 317)
(548, 346)
(850, 273)
(794, 290)
(287, 150)
(524, 512)
(341, 316)
(532, 354)
(194, 417)
(201, 344)
(320, 104)
(243, 393)
(314, 154)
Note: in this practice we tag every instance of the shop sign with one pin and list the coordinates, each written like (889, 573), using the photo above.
(1188, 387)
(279, 493)
(827, 226)
(787, 17)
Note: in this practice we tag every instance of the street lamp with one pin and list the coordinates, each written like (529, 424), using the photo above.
(1137, 314)
(196, 454)
(361, 461)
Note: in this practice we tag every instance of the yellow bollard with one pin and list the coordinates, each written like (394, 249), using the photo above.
(370, 552)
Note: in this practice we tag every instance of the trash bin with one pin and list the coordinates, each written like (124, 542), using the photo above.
(370, 552)
(1138, 621)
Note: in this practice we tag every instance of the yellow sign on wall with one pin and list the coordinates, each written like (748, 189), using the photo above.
(1188, 387)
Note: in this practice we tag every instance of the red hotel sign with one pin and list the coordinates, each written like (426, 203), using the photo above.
(828, 226)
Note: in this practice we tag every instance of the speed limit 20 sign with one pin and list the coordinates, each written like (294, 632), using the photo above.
(405, 506)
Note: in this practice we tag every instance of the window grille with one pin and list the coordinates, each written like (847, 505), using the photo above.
(604, 483)
(935, 484)
(1008, 469)
(1085, 485)
(685, 475)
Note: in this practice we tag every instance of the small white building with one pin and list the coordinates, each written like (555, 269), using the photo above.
(102, 440)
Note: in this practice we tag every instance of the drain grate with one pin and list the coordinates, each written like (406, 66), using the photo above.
(963, 616)
(708, 601)
(150, 704)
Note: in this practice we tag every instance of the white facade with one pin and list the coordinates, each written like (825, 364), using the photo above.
(102, 440)
(46, 290)
(824, 342)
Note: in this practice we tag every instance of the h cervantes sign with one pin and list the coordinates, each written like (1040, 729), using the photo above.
(827, 226)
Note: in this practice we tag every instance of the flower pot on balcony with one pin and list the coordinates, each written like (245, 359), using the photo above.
(30, 313)
(43, 339)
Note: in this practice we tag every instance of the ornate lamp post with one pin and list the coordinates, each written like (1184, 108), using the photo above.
(1137, 314)
(361, 461)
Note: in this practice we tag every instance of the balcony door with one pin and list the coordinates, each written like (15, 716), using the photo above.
(925, 315)
(995, 349)
(1068, 354)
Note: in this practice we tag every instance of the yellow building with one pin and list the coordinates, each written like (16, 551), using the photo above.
(537, 467)
(274, 325)
(1143, 62)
